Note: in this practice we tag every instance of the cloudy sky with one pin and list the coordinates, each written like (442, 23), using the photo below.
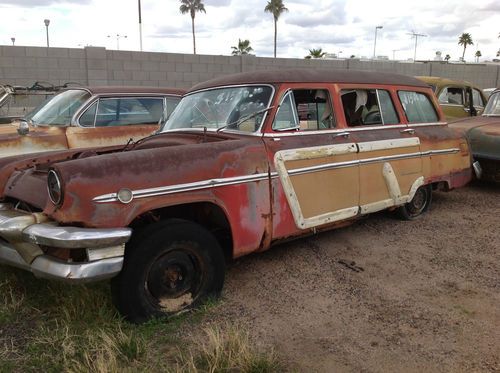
(333, 25)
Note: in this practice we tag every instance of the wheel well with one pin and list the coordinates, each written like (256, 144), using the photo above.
(207, 214)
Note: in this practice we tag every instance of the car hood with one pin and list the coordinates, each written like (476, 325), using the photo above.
(466, 124)
(107, 169)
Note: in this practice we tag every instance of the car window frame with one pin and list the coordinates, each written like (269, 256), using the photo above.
(431, 101)
(286, 93)
(87, 106)
(464, 96)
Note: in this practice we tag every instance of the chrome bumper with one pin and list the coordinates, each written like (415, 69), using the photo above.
(477, 169)
(22, 234)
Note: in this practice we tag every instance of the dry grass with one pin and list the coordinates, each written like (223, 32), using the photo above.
(53, 327)
(228, 350)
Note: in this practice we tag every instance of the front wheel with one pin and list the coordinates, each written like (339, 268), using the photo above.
(419, 204)
(170, 267)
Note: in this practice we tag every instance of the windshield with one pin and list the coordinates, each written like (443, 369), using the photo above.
(239, 108)
(59, 110)
(493, 106)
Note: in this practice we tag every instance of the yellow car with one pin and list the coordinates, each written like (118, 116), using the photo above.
(457, 98)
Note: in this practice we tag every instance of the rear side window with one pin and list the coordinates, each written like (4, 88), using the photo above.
(418, 108)
(128, 111)
(452, 96)
(368, 107)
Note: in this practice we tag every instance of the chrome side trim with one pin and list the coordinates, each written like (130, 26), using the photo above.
(198, 185)
(74, 237)
(206, 184)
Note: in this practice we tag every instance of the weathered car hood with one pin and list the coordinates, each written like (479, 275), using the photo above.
(163, 159)
(38, 139)
(485, 140)
(467, 124)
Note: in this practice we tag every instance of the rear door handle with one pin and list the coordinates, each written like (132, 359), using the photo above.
(345, 135)
(409, 131)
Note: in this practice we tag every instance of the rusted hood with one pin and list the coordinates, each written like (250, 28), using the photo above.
(165, 159)
(467, 124)
(38, 139)
(485, 141)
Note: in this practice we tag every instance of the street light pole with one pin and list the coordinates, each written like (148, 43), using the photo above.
(13, 40)
(140, 25)
(394, 53)
(118, 36)
(47, 23)
(375, 42)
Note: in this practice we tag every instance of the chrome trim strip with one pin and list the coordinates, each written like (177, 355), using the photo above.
(198, 185)
(206, 184)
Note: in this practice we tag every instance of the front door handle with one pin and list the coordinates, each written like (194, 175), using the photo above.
(345, 135)
(409, 131)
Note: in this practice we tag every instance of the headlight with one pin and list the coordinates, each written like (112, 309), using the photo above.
(54, 187)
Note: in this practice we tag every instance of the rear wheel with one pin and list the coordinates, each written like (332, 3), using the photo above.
(170, 267)
(419, 204)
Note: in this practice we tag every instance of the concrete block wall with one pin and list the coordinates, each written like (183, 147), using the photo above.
(99, 66)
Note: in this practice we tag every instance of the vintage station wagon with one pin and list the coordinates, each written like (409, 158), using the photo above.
(81, 117)
(244, 162)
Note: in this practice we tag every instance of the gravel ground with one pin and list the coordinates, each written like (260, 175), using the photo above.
(422, 295)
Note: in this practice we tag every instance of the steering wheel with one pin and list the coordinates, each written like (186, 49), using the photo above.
(373, 117)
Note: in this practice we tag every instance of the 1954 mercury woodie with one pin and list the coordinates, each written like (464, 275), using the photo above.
(245, 161)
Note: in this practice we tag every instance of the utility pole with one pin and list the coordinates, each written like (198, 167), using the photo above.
(140, 25)
(375, 42)
(394, 53)
(416, 35)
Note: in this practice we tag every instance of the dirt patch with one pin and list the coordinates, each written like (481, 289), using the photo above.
(427, 297)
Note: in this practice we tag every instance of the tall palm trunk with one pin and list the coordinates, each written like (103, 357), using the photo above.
(194, 40)
(275, 35)
(463, 54)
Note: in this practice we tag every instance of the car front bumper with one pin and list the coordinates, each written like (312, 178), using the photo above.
(25, 237)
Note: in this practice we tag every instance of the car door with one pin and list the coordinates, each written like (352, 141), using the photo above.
(390, 164)
(115, 121)
(313, 165)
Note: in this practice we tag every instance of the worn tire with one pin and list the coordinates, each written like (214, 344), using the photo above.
(170, 267)
(420, 203)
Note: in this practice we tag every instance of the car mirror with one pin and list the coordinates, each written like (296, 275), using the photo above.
(23, 128)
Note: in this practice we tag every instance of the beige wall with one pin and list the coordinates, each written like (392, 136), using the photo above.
(98, 66)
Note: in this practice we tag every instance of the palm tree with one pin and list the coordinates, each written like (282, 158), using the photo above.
(465, 39)
(315, 53)
(191, 7)
(276, 7)
(242, 48)
(478, 54)
(447, 57)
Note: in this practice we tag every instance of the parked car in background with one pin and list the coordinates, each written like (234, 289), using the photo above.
(483, 133)
(488, 91)
(17, 101)
(244, 162)
(81, 117)
(458, 99)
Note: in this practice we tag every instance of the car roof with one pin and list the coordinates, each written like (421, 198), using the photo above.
(444, 81)
(109, 90)
(310, 76)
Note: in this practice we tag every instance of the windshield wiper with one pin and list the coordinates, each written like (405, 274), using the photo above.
(241, 120)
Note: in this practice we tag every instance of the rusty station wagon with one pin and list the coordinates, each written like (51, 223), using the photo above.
(82, 117)
(244, 162)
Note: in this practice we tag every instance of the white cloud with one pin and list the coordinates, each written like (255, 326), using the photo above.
(332, 25)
